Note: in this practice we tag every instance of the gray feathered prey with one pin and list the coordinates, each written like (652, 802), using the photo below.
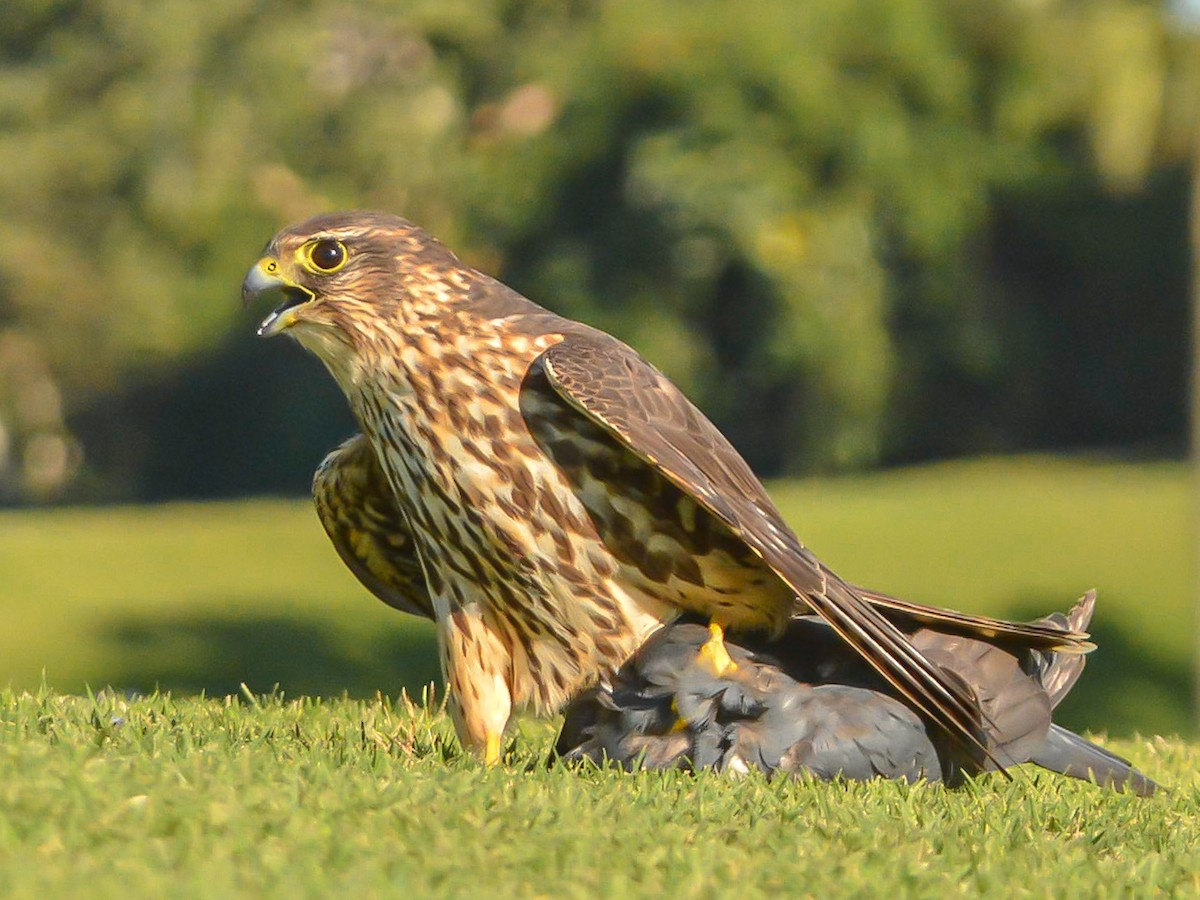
(805, 703)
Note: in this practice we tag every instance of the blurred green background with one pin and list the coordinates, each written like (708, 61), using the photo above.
(867, 236)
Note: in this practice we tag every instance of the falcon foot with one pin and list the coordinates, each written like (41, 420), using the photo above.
(491, 751)
(714, 654)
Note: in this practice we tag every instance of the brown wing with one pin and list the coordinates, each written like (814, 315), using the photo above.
(360, 515)
(1040, 635)
(613, 386)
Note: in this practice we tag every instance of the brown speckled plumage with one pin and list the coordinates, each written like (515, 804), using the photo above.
(557, 495)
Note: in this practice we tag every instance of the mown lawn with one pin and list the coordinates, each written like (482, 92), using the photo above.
(213, 795)
(208, 596)
(192, 797)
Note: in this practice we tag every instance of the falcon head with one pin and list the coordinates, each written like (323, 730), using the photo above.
(339, 271)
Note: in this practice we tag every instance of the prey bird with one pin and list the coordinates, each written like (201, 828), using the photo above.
(549, 498)
(807, 704)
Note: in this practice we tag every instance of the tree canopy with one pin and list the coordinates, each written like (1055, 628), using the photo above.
(845, 228)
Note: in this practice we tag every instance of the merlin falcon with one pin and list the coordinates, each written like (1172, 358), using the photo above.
(549, 498)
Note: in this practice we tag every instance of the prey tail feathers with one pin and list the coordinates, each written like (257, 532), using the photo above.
(1069, 754)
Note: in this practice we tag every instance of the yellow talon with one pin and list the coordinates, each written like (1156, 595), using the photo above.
(681, 724)
(714, 653)
(491, 752)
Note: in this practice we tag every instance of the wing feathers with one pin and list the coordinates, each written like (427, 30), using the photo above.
(1040, 635)
(356, 507)
(617, 389)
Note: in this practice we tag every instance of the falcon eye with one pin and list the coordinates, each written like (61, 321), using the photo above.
(326, 255)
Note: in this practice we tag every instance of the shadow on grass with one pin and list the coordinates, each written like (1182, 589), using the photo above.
(303, 657)
(1126, 687)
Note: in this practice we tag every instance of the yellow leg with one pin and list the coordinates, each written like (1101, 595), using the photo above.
(714, 653)
(476, 664)
(491, 752)
(681, 724)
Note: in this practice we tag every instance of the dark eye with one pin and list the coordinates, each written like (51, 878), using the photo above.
(327, 256)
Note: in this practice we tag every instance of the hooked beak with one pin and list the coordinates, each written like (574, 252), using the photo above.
(264, 276)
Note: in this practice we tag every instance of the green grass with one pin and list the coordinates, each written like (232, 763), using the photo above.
(194, 797)
(191, 795)
(208, 596)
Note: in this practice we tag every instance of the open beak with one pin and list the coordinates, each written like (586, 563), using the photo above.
(264, 277)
